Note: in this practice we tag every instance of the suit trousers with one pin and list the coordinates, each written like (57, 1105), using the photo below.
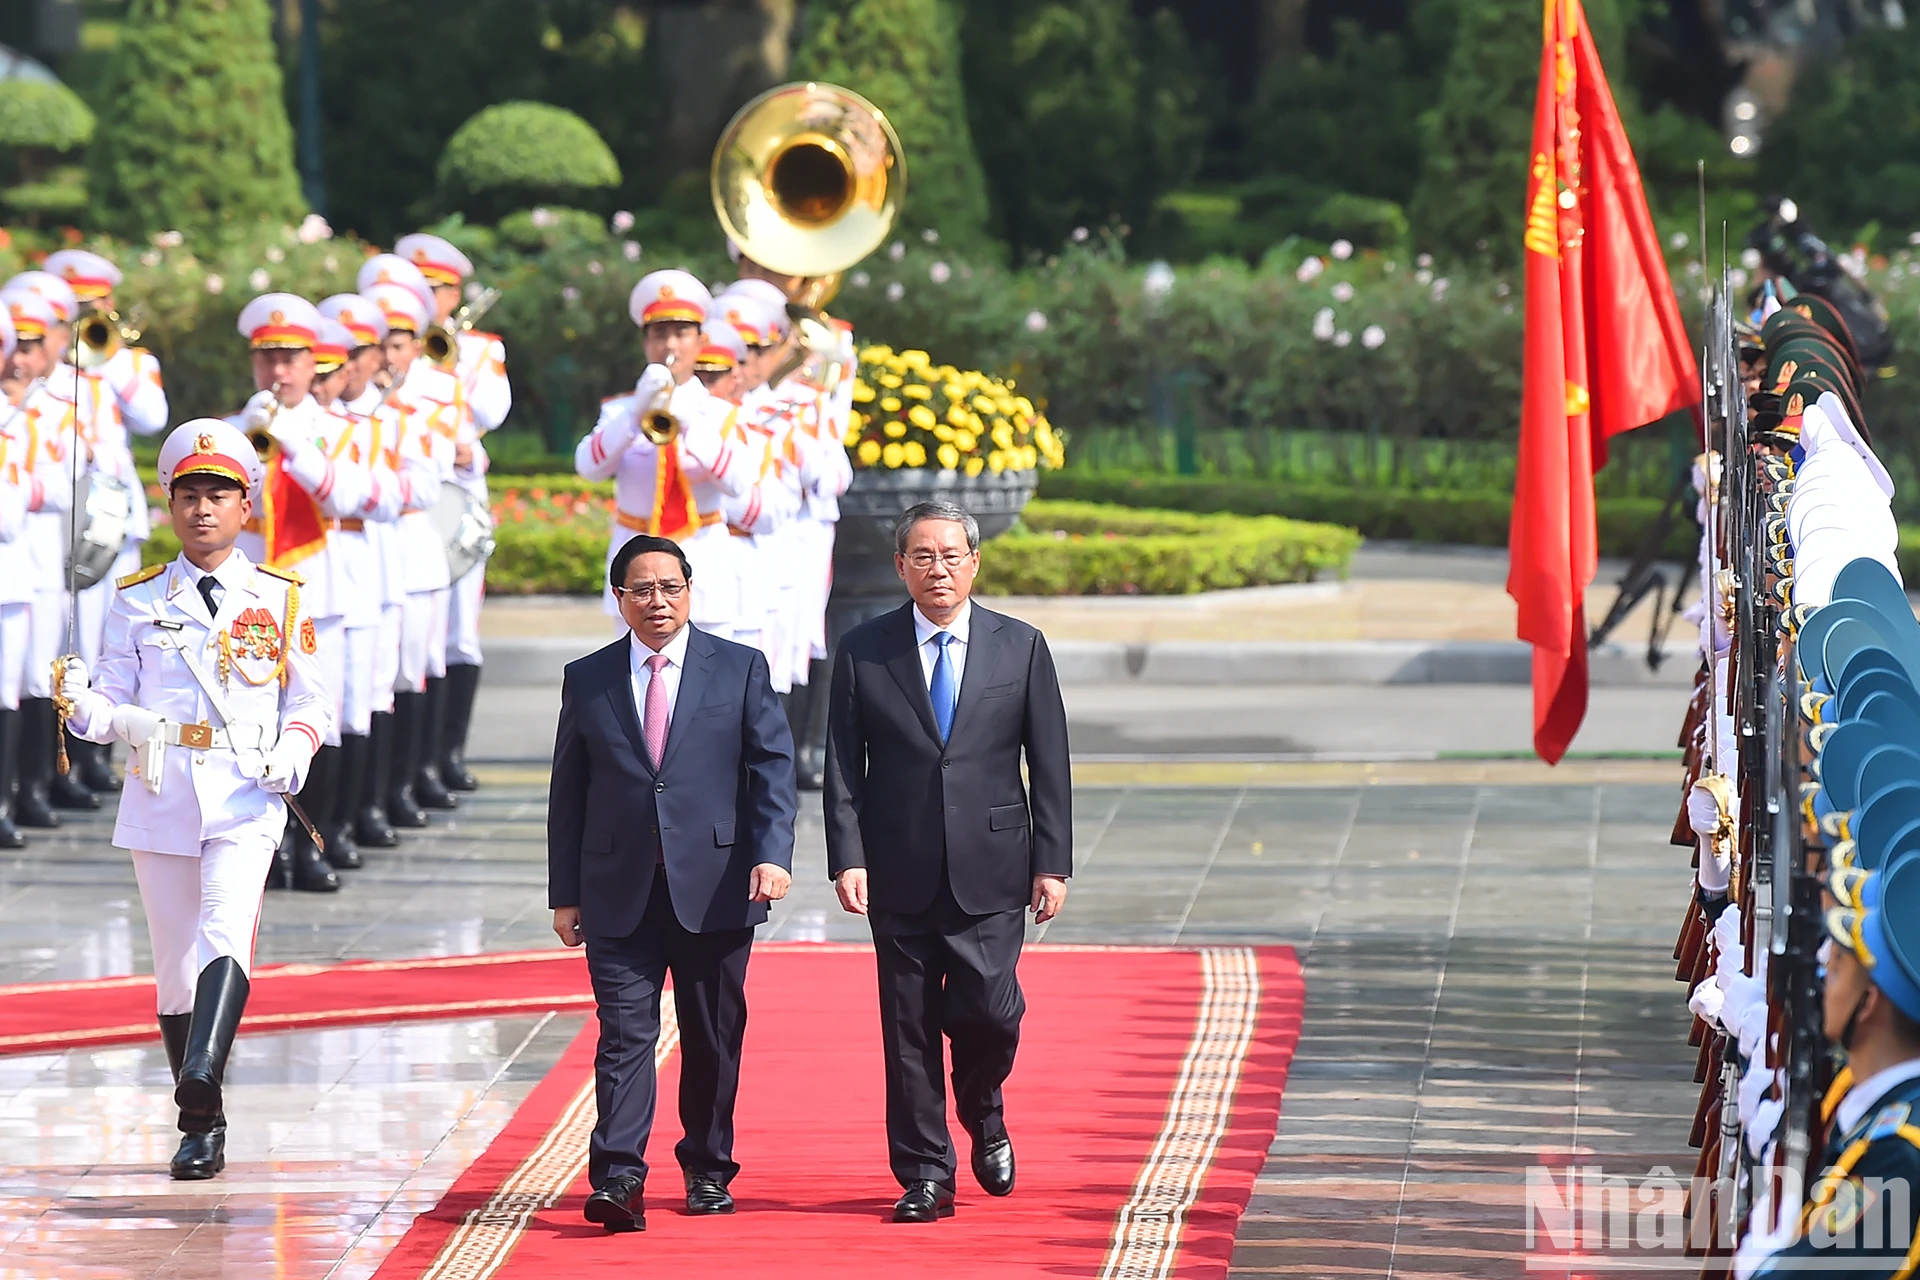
(945, 972)
(710, 1000)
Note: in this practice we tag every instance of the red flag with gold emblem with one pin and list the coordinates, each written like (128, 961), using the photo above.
(1605, 353)
(291, 522)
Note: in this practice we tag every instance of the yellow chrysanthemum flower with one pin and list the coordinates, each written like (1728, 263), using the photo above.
(874, 354)
(966, 440)
(916, 454)
(949, 457)
(893, 455)
(915, 358)
(890, 404)
(862, 393)
(983, 404)
(954, 392)
(917, 390)
(1003, 434)
(890, 380)
(941, 431)
(1024, 405)
(922, 417)
(894, 428)
(997, 461)
(869, 452)
(956, 415)
(852, 437)
(976, 465)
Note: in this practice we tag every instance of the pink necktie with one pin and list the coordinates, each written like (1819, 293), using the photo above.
(653, 716)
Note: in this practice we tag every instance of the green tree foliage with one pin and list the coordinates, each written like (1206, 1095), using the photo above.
(399, 79)
(39, 113)
(517, 153)
(193, 131)
(1849, 149)
(903, 56)
(1084, 115)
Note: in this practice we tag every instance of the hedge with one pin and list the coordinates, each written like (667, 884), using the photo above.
(1083, 548)
(556, 544)
(1441, 516)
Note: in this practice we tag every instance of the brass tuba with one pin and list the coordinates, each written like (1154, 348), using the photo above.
(808, 179)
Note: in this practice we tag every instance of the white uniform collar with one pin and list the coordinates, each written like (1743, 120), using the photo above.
(234, 574)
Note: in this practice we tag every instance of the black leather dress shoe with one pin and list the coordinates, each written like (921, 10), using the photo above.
(993, 1164)
(924, 1202)
(708, 1195)
(620, 1205)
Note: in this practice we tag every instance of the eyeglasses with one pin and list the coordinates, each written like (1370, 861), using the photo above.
(644, 591)
(925, 560)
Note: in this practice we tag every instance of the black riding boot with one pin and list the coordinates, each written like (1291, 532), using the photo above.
(321, 799)
(94, 765)
(218, 1002)
(428, 789)
(203, 1147)
(311, 872)
(10, 837)
(69, 790)
(463, 684)
(370, 826)
(402, 810)
(34, 806)
(342, 849)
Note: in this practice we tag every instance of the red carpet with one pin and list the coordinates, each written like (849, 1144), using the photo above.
(37, 1017)
(1145, 1098)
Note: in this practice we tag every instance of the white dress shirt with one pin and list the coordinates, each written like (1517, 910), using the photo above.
(923, 634)
(676, 655)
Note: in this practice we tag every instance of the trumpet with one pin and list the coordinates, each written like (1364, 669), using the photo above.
(656, 424)
(99, 335)
(441, 343)
(261, 436)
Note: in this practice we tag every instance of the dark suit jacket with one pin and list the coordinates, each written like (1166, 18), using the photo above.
(900, 804)
(723, 796)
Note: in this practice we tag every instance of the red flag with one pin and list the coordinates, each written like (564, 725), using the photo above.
(291, 522)
(1605, 353)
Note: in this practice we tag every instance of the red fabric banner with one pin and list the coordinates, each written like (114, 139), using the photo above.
(1605, 353)
(291, 523)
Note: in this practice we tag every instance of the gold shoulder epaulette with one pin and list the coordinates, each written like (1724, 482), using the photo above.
(147, 574)
(285, 575)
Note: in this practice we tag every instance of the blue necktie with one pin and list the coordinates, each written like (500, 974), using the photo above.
(944, 689)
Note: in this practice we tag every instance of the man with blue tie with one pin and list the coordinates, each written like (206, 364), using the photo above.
(934, 836)
(669, 830)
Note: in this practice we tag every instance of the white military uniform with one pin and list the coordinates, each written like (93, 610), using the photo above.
(485, 395)
(426, 416)
(761, 520)
(683, 500)
(21, 485)
(46, 430)
(197, 811)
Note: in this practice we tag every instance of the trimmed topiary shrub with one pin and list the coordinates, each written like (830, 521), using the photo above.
(193, 132)
(40, 113)
(517, 153)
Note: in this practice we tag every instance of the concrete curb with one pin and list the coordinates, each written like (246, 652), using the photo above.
(541, 660)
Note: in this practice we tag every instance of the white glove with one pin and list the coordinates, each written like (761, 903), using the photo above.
(286, 765)
(73, 680)
(134, 725)
(259, 411)
(653, 380)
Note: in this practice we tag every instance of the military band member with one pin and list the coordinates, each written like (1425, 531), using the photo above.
(132, 373)
(373, 624)
(305, 490)
(210, 673)
(480, 367)
(672, 490)
(17, 496)
(424, 412)
(722, 352)
(45, 430)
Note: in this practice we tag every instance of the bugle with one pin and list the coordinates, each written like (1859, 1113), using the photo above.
(656, 424)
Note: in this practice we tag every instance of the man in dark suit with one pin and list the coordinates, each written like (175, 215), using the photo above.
(933, 837)
(669, 830)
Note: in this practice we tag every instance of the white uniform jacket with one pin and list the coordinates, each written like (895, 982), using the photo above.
(426, 413)
(44, 429)
(104, 430)
(133, 375)
(259, 654)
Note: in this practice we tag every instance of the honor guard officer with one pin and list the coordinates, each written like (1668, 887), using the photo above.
(17, 495)
(671, 478)
(1861, 1216)
(480, 366)
(303, 492)
(43, 430)
(211, 674)
(423, 409)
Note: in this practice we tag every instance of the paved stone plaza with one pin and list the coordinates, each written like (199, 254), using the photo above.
(1488, 987)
